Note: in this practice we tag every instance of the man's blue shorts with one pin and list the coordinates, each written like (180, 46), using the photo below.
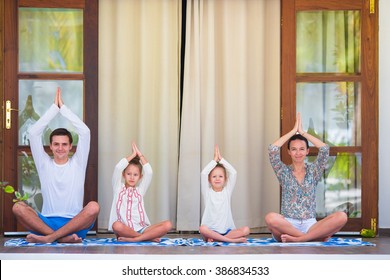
(57, 222)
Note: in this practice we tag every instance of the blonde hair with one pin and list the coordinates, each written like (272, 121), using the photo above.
(219, 165)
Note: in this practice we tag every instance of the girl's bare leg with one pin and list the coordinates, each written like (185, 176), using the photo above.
(238, 233)
(210, 236)
(152, 233)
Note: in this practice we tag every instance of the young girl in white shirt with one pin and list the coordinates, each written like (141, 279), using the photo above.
(217, 187)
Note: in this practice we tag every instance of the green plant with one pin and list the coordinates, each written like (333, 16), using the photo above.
(9, 189)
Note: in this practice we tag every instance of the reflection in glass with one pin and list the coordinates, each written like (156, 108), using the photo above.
(340, 188)
(36, 97)
(328, 42)
(28, 181)
(331, 111)
(50, 40)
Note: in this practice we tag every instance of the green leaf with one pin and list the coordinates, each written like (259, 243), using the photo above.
(25, 196)
(369, 233)
(9, 189)
(18, 195)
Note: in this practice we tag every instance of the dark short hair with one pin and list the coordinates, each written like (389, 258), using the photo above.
(135, 161)
(61, 132)
(297, 137)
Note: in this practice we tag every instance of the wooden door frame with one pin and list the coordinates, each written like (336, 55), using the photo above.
(9, 83)
(369, 100)
(2, 162)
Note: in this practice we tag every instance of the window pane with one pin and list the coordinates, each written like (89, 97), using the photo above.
(50, 40)
(35, 98)
(331, 111)
(328, 41)
(28, 181)
(340, 187)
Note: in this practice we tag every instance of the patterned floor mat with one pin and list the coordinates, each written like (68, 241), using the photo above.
(333, 242)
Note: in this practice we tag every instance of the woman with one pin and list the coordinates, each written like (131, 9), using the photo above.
(297, 221)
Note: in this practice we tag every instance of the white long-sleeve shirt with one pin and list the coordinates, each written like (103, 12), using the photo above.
(62, 186)
(128, 203)
(217, 214)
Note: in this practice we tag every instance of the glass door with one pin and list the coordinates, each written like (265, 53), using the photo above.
(47, 50)
(329, 77)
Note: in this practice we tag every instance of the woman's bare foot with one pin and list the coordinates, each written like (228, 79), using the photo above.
(327, 238)
(323, 239)
(288, 238)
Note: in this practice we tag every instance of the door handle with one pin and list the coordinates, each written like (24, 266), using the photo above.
(8, 110)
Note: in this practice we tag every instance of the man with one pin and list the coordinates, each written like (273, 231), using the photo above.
(63, 217)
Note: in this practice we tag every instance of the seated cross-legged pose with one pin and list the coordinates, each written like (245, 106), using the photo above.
(297, 221)
(63, 217)
(128, 217)
(218, 179)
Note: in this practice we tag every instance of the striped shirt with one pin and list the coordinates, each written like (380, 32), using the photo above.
(128, 203)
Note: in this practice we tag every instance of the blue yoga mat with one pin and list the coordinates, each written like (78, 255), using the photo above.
(251, 242)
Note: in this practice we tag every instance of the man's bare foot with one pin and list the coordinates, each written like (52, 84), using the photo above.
(33, 238)
(74, 238)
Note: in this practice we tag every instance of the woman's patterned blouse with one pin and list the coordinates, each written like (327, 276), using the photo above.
(298, 200)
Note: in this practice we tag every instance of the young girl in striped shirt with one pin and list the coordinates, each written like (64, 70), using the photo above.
(131, 179)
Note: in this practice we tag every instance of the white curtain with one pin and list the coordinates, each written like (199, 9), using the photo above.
(224, 104)
(139, 60)
(231, 62)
